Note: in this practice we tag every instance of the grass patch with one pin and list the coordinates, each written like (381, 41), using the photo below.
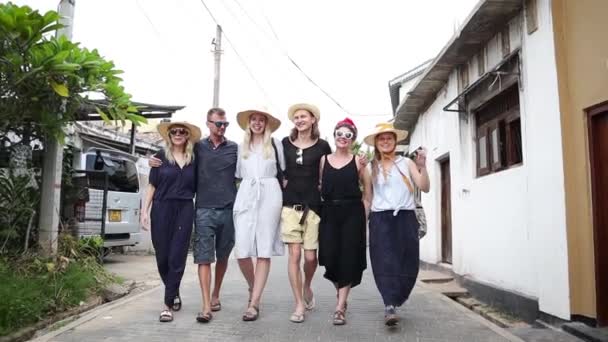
(34, 288)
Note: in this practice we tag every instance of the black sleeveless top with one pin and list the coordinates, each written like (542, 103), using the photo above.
(340, 184)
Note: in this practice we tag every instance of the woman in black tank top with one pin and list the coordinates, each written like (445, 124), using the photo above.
(342, 242)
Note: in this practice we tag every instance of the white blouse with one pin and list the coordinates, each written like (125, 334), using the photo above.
(392, 193)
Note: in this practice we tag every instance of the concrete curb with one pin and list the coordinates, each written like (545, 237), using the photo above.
(91, 314)
(495, 328)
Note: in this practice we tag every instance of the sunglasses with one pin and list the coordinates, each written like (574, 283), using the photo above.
(300, 156)
(219, 124)
(179, 131)
(345, 135)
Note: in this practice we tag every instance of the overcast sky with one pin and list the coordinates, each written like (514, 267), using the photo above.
(350, 48)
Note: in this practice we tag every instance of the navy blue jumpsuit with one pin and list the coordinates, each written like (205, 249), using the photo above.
(172, 220)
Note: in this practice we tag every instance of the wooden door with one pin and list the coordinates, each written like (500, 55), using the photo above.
(446, 213)
(598, 147)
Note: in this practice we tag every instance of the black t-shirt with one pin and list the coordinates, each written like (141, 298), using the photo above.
(172, 182)
(302, 172)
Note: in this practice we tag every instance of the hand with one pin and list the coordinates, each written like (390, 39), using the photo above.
(145, 222)
(284, 183)
(421, 158)
(154, 162)
(362, 159)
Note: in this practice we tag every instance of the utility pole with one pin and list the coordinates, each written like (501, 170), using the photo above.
(53, 160)
(217, 53)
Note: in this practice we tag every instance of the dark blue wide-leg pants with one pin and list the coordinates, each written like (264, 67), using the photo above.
(394, 253)
(171, 222)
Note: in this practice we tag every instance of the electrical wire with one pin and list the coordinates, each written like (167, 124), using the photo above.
(293, 62)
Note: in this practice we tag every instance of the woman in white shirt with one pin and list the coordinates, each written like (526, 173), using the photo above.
(258, 204)
(393, 228)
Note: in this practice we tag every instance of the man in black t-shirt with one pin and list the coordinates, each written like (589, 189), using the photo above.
(302, 201)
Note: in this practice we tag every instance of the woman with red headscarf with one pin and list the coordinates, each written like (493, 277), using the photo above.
(343, 216)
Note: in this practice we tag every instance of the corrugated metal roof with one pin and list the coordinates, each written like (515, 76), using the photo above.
(488, 18)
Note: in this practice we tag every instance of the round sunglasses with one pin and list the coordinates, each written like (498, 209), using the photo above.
(345, 135)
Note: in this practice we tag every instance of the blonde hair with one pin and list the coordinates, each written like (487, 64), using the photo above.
(189, 150)
(267, 144)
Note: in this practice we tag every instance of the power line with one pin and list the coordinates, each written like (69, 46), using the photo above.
(276, 37)
(241, 59)
(141, 9)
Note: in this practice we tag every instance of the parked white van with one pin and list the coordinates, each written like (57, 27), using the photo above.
(123, 199)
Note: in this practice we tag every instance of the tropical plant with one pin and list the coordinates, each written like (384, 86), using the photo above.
(45, 80)
(18, 200)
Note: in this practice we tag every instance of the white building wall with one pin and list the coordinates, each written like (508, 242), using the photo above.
(546, 216)
(508, 228)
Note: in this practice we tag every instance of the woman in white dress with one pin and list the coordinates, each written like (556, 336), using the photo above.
(258, 204)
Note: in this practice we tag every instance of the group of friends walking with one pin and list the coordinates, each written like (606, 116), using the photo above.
(293, 192)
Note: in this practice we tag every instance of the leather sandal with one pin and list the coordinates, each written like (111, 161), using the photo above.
(390, 320)
(248, 316)
(217, 306)
(204, 317)
(339, 318)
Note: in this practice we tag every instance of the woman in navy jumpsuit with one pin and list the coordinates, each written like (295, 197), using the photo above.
(170, 195)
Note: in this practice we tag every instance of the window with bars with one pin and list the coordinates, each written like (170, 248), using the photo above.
(498, 125)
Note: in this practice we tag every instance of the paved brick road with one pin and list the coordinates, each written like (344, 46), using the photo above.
(427, 316)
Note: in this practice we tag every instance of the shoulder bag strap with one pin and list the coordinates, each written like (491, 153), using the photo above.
(405, 179)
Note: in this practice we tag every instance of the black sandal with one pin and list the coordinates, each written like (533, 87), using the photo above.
(250, 317)
(177, 303)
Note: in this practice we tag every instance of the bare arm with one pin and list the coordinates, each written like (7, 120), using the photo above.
(321, 165)
(419, 173)
(366, 180)
(145, 210)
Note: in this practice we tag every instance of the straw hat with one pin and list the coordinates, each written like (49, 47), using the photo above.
(311, 108)
(385, 127)
(195, 132)
(243, 119)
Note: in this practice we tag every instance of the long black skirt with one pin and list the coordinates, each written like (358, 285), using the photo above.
(342, 243)
(394, 253)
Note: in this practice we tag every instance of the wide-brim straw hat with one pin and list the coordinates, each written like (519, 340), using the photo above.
(306, 106)
(385, 127)
(164, 127)
(242, 118)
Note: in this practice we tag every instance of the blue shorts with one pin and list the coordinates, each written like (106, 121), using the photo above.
(213, 235)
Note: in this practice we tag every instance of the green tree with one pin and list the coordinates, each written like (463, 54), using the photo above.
(44, 80)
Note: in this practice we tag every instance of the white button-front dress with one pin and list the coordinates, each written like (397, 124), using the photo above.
(258, 204)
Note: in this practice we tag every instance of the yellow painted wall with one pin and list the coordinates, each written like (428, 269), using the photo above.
(582, 61)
